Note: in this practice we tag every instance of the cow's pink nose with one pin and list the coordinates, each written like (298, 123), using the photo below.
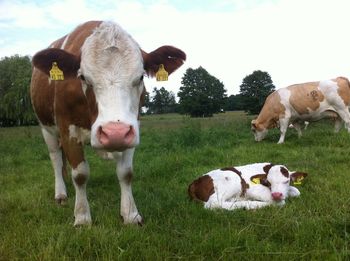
(277, 195)
(116, 136)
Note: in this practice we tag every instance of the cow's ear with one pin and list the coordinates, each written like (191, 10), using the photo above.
(260, 179)
(171, 57)
(68, 63)
(297, 177)
(267, 168)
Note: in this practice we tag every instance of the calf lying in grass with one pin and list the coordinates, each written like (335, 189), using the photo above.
(250, 186)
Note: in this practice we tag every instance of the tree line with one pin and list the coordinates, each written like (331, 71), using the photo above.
(200, 95)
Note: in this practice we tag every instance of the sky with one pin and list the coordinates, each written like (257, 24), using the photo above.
(294, 41)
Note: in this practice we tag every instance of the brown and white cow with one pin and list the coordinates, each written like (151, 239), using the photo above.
(98, 102)
(304, 102)
(250, 186)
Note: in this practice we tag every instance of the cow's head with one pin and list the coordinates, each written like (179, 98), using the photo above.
(112, 66)
(258, 130)
(278, 178)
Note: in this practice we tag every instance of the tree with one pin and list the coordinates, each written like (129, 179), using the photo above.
(163, 101)
(15, 103)
(201, 94)
(234, 103)
(254, 90)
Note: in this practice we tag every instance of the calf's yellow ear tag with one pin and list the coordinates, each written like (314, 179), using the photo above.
(161, 74)
(256, 180)
(298, 180)
(55, 73)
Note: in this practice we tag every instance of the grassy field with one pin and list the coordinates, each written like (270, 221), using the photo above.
(174, 151)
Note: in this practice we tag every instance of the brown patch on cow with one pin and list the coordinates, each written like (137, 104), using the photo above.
(128, 177)
(305, 97)
(270, 114)
(201, 189)
(80, 179)
(244, 185)
(77, 38)
(232, 169)
(267, 168)
(285, 172)
(344, 89)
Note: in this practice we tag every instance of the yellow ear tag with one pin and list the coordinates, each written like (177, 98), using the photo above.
(256, 180)
(55, 73)
(298, 180)
(162, 74)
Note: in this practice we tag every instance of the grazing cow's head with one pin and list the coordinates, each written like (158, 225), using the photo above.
(112, 66)
(258, 130)
(278, 179)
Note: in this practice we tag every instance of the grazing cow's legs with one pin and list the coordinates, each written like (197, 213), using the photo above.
(297, 127)
(80, 175)
(337, 124)
(58, 163)
(128, 210)
(345, 115)
(283, 128)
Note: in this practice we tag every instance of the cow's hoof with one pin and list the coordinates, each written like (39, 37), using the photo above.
(61, 199)
(133, 219)
(82, 220)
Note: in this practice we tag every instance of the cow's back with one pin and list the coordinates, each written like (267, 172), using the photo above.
(50, 98)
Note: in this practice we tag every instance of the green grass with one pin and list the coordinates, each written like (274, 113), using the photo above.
(175, 150)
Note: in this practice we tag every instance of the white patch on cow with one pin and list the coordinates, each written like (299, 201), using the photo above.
(112, 63)
(82, 135)
(65, 42)
(50, 134)
(81, 210)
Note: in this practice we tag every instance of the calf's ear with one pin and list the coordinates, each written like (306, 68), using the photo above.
(171, 57)
(297, 177)
(68, 63)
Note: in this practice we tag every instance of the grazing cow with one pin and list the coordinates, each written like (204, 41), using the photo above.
(250, 186)
(304, 102)
(96, 100)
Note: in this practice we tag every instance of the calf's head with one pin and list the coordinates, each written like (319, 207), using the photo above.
(278, 178)
(111, 66)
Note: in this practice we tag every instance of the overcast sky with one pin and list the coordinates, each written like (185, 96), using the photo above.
(293, 40)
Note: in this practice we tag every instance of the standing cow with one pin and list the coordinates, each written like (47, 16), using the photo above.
(304, 102)
(97, 101)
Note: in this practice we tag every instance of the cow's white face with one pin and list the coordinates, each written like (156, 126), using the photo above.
(112, 65)
(279, 178)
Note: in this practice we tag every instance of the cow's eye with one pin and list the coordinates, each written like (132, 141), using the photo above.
(141, 78)
(82, 77)
(286, 182)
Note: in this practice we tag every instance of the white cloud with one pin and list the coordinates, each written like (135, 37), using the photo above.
(294, 41)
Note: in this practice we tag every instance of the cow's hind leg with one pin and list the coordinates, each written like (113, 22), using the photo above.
(80, 174)
(128, 209)
(58, 162)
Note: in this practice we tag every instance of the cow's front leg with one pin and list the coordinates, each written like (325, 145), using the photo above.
(80, 175)
(128, 209)
(283, 128)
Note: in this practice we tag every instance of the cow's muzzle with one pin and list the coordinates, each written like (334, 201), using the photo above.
(116, 136)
